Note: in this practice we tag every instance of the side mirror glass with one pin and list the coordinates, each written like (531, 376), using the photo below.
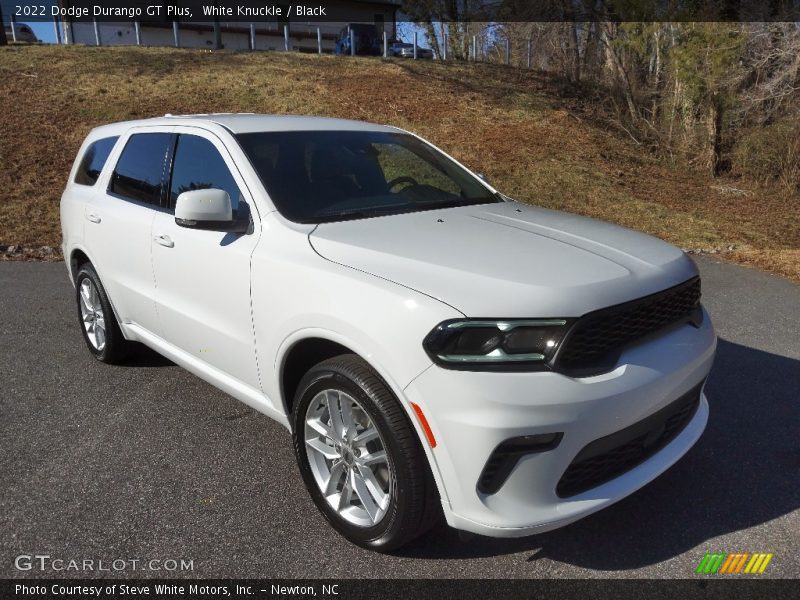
(208, 209)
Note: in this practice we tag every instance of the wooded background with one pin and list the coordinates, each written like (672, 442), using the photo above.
(719, 96)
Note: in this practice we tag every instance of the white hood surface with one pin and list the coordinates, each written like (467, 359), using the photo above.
(507, 260)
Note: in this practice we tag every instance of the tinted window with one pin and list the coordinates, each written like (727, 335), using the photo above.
(198, 165)
(93, 161)
(140, 168)
(317, 176)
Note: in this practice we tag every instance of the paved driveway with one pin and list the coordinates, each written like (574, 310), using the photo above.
(145, 461)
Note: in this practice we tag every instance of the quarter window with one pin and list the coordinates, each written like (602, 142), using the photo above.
(198, 165)
(94, 159)
(140, 169)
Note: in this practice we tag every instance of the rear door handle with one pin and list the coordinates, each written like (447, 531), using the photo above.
(164, 240)
(94, 217)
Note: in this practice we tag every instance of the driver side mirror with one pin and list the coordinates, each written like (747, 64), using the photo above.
(208, 209)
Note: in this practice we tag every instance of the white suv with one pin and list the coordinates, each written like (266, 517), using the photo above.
(433, 346)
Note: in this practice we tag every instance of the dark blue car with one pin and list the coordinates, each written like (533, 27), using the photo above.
(367, 40)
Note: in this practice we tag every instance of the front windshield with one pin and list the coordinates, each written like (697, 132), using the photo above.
(321, 176)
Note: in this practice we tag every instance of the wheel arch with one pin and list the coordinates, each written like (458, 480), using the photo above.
(78, 256)
(301, 356)
(300, 345)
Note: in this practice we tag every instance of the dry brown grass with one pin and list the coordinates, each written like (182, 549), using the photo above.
(512, 125)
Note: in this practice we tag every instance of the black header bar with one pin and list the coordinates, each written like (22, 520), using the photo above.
(360, 11)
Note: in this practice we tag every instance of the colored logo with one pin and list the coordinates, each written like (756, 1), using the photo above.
(722, 563)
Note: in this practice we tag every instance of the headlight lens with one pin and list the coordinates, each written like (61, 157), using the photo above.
(504, 343)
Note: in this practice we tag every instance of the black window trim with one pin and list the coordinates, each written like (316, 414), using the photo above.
(173, 148)
(170, 150)
(244, 190)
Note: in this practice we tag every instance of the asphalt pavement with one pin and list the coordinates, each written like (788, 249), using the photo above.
(145, 461)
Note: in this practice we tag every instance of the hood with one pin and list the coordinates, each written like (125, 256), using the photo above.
(507, 260)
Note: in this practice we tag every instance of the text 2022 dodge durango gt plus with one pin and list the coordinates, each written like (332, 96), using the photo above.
(433, 346)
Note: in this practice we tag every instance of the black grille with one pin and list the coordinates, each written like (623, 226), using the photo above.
(505, 457)
(613, 455)
(596, 340)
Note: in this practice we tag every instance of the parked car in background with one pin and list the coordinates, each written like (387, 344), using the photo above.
(434, 347)
(367, 40)
(23, 33)
(406, 50)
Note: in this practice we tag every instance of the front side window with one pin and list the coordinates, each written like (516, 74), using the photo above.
(198, 165)
(140, 169)
(319, 176)
(94, 159)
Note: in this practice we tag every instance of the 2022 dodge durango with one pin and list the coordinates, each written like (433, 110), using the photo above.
(433, 347)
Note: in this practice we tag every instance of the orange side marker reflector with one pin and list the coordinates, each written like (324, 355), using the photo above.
(424, 423)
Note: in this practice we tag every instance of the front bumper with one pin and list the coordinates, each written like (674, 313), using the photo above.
(471, 413)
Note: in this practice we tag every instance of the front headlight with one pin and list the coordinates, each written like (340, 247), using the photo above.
(504, 344)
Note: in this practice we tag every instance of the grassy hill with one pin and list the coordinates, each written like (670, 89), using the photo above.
(532, 142)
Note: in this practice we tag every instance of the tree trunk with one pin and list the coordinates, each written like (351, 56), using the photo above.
(656, 79)
(714, 144)
(432, 39)
(621, 76)
(576, 53)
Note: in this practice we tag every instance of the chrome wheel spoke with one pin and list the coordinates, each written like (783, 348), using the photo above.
(86, 291)
(346, 496)
(365, 496)
(99, 336)
(93, 296)
(335, 412)
(346, 410)
(317, 445)
(365, 436)
(380, 497)
(373, 458)
(321, 428)
(337, 470)
(85, 303)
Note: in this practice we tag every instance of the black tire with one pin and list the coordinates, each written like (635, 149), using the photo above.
(116, 347)
(414, 505)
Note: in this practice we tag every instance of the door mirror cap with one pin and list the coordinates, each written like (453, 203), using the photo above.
(203, 205)
(208, 209)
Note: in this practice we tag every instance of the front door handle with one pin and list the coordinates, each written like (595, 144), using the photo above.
(164, 240)
(94, 217)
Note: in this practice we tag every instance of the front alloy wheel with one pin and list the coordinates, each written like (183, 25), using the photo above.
(359, 455)
(348, 458)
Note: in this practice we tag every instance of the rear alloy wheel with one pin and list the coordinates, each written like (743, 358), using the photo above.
(359, 456)
(94, 320)
(100, 329)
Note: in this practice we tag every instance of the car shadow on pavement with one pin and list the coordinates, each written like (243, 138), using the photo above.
(142, 356)
(743, 472)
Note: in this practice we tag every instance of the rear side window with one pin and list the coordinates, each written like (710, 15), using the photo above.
(140, 169)
(94, 159)
(198, 165)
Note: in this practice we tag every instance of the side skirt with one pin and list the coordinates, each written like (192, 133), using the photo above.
(219, 379)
